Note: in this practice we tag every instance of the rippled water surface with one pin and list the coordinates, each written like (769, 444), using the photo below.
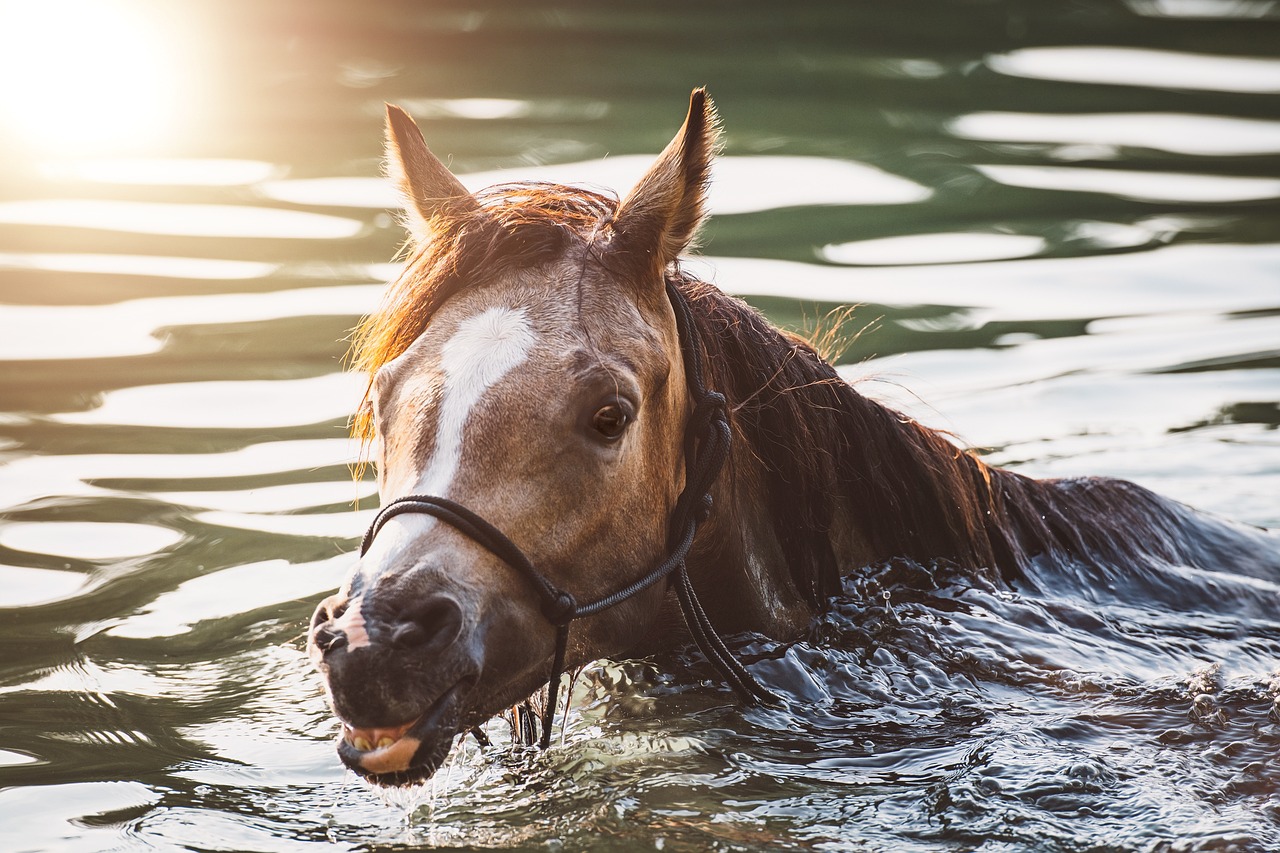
(1061, 223)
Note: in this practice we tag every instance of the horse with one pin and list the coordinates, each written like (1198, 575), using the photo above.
(560, 414)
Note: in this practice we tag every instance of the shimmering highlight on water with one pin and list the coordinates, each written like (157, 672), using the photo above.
(1059, 223)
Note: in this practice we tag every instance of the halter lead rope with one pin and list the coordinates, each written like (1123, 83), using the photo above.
(706, 447)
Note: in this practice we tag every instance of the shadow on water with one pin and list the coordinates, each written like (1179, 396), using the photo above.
(1059, 222)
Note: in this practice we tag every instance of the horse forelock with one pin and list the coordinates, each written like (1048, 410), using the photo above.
(515, 226)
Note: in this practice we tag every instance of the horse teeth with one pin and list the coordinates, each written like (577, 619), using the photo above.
(361, 743)
(385, 741)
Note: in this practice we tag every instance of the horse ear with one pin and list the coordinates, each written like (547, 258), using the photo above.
(661, 215)
(426, 185)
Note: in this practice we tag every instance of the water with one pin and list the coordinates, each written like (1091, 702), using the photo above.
(1060, 222)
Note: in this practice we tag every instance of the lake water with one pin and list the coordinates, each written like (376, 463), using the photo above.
(1061, 222)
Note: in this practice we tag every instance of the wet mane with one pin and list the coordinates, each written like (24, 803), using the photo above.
(913, 492)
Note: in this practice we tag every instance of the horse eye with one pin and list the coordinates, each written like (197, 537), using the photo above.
(611, 420)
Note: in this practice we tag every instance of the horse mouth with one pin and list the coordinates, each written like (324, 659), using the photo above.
(408, 752)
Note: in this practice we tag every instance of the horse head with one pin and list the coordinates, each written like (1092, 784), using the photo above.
(525, 365)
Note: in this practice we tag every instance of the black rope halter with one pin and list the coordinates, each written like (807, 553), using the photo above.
(706, 447)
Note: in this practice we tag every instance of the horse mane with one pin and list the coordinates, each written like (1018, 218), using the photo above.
(819, 442)
(913, 492)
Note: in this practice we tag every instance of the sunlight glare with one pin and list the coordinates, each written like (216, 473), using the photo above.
(84, 76)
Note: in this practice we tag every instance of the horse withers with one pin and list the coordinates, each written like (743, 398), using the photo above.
(573, 437)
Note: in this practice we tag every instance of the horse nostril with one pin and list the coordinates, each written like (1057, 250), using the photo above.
(406, 635)
(430, 624)
(324, 633)
(328, 639)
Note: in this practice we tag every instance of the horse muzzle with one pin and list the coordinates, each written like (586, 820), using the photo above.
(399, 672)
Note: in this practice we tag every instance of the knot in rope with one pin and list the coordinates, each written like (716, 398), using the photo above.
(561, 609)
(712, 404)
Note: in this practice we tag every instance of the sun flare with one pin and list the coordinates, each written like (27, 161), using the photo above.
(84, 76)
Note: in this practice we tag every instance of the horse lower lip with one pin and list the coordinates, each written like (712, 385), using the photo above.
(391, 750)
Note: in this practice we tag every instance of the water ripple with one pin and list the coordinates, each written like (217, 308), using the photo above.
(1139, 186)
(87, 540)
(129, 328)
(229, 405)
(231, 592)
(1178, 133)
(281, 498)
(187, 220)
(27, 478)
(934, 249)
(342, 525)
(1055, 288)
(1128, 66)
(21, 586)
(133, 265)
(162, 172)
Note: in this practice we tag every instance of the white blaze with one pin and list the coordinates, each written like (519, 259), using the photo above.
(484, 349)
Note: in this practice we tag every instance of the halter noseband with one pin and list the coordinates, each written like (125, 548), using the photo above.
(706, 447)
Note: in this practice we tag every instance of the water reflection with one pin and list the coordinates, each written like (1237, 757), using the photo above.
(45, 817)
(934, 249)
(87, 540)
(337, 525)
(1139, 186)
(22, 586)
(490, 109)
(1197, 135)
(9, 759)
(230, 592)
(1104, 236)
(1138, 67)
(484, 109)
(1048, 289)
(229, 405)
(280, 498)
(27, 478)
(1204, 9)
(1115, 381)
(129, 328)
(161, 172)
(190, 220)
(138, 265)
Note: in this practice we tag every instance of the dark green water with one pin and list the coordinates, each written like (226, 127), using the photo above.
(1061, 220)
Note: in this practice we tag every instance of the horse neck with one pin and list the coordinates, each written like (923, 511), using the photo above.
(887, 488)
(823, 480)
